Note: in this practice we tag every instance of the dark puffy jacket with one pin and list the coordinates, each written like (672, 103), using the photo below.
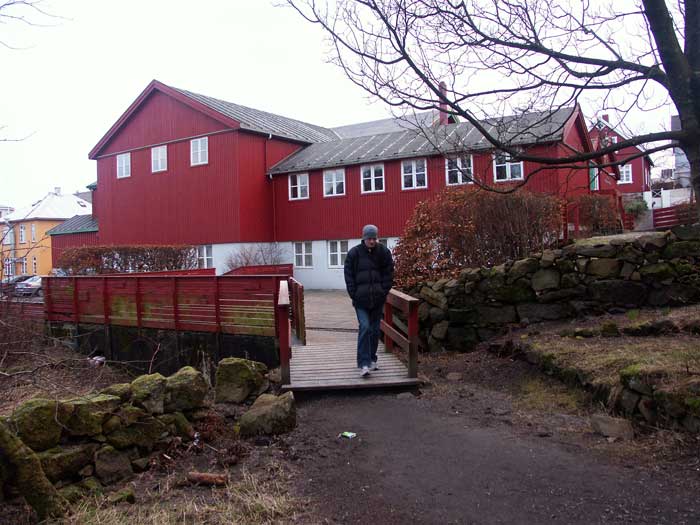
(369, 275)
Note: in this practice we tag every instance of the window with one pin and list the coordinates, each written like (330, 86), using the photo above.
(159, 159)
(8, 236)
(333, 183)
(9, 268)
(23, 260)
(204, 256)
(625, 174)
(414, 174)
(505, 168)
(303, 258)
(34, 265)
(124, 165)
(593, 177)
(337, 252)
(459, 170)
(372, 178)
(33, 230)
(299, 186)
(22, 236)
(199, 151)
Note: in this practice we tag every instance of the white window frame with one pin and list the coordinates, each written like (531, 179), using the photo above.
(337, 176)
(205, 258)
(303, 249)
(199, 151)
(508, 163)
(32, 229)
(8, 236)
(626, 169)
(9, 267)
(34, 265)
(23, 262)
(462, 171)
(159, 158)
(22, 234)
(413, 163)
(341, 252)
(372, 178)
(302, 183)
(124, 165)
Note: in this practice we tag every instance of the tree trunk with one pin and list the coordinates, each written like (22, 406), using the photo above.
(693, 155)
(29, 477)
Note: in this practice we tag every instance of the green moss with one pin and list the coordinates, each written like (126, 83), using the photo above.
(64, 463)
(148, 391)
(39, 422)
(632, 315)
(630, 371)
(693, 404)
(89, 412)
(121, 390)
(609, 329)
(185, 390)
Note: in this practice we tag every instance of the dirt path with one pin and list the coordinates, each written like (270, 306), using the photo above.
(421, 461)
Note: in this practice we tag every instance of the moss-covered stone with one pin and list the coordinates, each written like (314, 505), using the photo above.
(657, 272)
(522, 268)
(72, 493)
(65, 462)
(269, 415)
(91, 485)
(112, 465)
(111, 424)
(89, 412)
(603, 268)
(609, 329)
(545, 279)
(682, 249)
(143, 434)
(125, 495)
(237, 378)
(185, 390)
(39, 422)
(121, 390)
(148, 391)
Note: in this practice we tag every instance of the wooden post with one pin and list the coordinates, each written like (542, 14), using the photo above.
(138, 303)
(76, 306)
(176, 316)
(302, 315)
(413, 339)
(106, 318)
(47, 304)
(217, 314)
(283, 329)
(388, 319)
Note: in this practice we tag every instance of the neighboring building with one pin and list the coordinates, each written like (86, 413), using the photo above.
(26, 247)
(635, 176)
(4, 211)
(183, 168)
(682, 166)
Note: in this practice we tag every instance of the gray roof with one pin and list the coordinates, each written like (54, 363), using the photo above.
(388, 125)
(529, 128)
(264, 122)
(76, 224)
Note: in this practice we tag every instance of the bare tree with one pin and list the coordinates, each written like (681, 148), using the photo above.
(512, 57)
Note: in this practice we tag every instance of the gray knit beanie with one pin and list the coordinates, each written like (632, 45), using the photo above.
(370, 231)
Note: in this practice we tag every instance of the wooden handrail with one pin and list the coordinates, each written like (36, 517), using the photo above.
(283, 330)
(409, 306)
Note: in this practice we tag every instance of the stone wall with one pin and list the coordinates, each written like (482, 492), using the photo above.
(591, 276)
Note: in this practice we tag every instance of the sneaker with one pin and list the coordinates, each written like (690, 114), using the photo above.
(374, 366)
(365, 371)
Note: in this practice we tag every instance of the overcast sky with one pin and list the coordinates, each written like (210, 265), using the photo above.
(68, 82)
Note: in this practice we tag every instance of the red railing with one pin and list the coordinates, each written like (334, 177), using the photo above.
(196, 271)
(224, 304)
(408, 338)
(269, 269)
(298, 316)
(284, 330)
(30, 310)
(672, 216)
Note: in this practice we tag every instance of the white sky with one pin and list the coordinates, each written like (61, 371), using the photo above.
(70, 81)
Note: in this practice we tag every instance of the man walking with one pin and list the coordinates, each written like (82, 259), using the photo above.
(369, 275)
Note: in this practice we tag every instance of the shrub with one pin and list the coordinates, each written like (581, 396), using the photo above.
(636, 207)
(463, 227)
(597, 214)
(122, 259)
(255, 255)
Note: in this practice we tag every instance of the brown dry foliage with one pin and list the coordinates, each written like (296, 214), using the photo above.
(462, 228)
(597, 214)
(122, 259)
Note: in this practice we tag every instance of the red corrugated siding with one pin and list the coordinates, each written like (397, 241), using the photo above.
(71, 240)
(183, 205)
(160, 119)
(342, 217)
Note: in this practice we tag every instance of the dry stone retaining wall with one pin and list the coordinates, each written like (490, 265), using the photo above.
(588, 277)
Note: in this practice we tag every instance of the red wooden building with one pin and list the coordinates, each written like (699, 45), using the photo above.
(183, 168)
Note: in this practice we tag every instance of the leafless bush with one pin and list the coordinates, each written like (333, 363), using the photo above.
(255, 255)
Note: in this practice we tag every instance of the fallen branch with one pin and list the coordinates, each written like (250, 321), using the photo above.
(207, 478)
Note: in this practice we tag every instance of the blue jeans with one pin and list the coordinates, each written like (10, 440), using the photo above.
(368, 336)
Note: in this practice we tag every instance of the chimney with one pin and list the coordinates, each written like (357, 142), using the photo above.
(57, 190)
(443, 104)
(606, 118)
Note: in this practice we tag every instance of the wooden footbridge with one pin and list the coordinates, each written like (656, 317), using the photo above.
(322, 355)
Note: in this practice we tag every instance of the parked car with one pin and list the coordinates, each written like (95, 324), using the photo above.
(29, 288)
(7, 285)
